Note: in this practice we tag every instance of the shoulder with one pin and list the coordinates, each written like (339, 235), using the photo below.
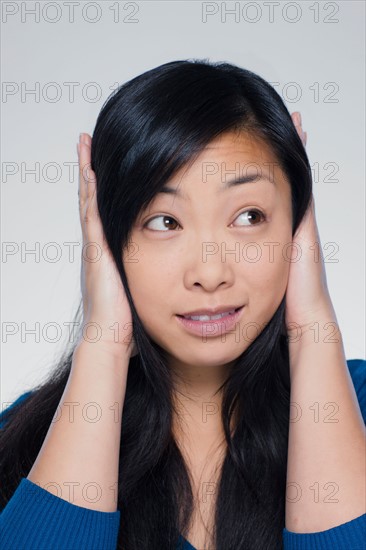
(5, 407)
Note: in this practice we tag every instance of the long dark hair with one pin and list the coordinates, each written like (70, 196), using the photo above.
(146, 131)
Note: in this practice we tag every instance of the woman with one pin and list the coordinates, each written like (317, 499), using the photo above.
(164, 425)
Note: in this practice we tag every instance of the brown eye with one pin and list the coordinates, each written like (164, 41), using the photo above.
(253, 217)
(168, 223)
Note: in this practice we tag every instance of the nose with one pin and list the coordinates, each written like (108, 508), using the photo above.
(210, 265)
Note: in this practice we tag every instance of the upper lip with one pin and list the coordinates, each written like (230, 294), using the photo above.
(209, 311)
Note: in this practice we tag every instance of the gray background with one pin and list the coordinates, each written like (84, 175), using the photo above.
(313, 50)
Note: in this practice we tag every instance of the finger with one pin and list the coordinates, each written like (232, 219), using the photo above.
(296, 118)
(82, 191)
(85, 172)
(91, 224)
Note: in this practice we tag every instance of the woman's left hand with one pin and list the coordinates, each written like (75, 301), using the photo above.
(307, 296)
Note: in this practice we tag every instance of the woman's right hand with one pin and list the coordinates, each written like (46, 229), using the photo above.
(104, 299)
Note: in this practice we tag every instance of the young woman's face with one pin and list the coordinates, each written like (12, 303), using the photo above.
(212, 247)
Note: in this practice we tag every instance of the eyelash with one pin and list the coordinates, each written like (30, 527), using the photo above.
(262, 214)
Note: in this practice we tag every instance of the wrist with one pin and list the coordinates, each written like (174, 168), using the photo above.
(323, 313)
(103, 352)
(113, 337)
(313, 341)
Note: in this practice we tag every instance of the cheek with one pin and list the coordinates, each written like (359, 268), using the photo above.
(266, 282)
(271, 274)
(149, 281)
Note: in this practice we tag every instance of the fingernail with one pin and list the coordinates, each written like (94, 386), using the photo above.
(80, 137)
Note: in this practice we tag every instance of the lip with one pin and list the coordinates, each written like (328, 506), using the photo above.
(210, 310)
(214, 328)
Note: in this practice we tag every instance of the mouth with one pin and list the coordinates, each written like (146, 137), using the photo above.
(211, 325)
(205, 317)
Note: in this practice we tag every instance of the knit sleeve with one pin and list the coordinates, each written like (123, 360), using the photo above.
(37, 519)
(349, 535)
(357, 369)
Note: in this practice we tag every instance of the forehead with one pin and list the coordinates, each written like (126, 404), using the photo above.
(234, 155)
(239, 143)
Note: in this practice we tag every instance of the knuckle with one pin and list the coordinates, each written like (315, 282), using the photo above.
(81, 203)
(87, 218)
(89, 215)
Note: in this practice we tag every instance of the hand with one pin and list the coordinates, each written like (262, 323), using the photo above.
(104, 300)
(307, 295)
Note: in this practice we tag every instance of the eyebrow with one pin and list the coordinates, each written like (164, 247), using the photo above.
(227, 185)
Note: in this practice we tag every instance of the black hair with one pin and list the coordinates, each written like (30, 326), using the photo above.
(148, 129)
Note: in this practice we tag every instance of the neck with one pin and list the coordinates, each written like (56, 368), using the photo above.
(197, 401)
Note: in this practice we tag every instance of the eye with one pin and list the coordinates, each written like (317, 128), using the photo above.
(166, 223)
(252, 215)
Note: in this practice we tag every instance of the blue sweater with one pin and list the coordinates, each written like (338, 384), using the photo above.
(34, 518)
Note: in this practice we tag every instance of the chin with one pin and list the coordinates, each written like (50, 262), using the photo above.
(203, 358)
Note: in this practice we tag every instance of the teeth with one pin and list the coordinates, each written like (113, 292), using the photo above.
(210, 317)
